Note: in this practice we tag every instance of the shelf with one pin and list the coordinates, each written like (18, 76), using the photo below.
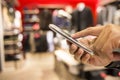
(10, 42)
(51, 6)
(31, 11)
(16, 51)
(31, 21)
(10, 33)
(28, 28)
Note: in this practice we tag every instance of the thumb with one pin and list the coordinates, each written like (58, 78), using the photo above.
(94, 31)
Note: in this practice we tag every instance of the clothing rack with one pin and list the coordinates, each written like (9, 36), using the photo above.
(114, 3)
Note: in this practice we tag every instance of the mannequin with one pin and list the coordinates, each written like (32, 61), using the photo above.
(80, 6)
(81, 17)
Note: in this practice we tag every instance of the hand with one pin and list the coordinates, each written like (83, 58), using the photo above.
(108, 39)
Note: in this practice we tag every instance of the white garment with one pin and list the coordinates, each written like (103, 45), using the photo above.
(111, 10)
(17, 20)
(117, 17)
(6, 19)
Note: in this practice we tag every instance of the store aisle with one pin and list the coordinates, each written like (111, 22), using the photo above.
(38, 66)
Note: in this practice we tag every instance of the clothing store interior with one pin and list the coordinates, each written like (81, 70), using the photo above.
(30, 50)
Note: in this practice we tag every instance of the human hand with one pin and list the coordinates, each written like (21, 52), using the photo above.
(108, 39)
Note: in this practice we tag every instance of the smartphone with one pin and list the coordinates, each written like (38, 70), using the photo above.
(69, 38)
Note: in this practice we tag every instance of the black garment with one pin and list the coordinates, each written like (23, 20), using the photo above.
(26, 44)
(45, 19)
(41, 44)
(102, 17)
(114, 65)
(82, 19)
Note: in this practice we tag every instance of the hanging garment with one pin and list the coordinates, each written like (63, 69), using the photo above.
(102, 16)
(45, 19)
(111, 10)
(117, 17)
(62, 19)
(41, 44)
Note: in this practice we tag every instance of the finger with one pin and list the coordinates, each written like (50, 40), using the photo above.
(89, 31)
(95, 60)
(85, 58)
(78, 54)
(73, 48)
(68, 42)
(85, 41)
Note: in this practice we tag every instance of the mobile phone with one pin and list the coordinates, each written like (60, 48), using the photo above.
(69, 38)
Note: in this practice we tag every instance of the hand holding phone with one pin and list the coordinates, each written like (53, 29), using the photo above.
(69, 38)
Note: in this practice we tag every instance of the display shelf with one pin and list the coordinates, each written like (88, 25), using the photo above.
(10, 33)
(11, 52)
(27, 28)
(30, 18)
(31, 21)
(10, 42)
(31, 11)
(11, 47)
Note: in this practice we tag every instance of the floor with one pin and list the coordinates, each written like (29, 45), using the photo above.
(37, 66)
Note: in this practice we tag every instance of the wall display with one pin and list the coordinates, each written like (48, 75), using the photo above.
(12, 28)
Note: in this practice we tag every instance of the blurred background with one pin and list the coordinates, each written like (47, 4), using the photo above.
(29, 50)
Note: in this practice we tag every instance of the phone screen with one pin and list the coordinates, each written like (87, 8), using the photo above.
(69, 38)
